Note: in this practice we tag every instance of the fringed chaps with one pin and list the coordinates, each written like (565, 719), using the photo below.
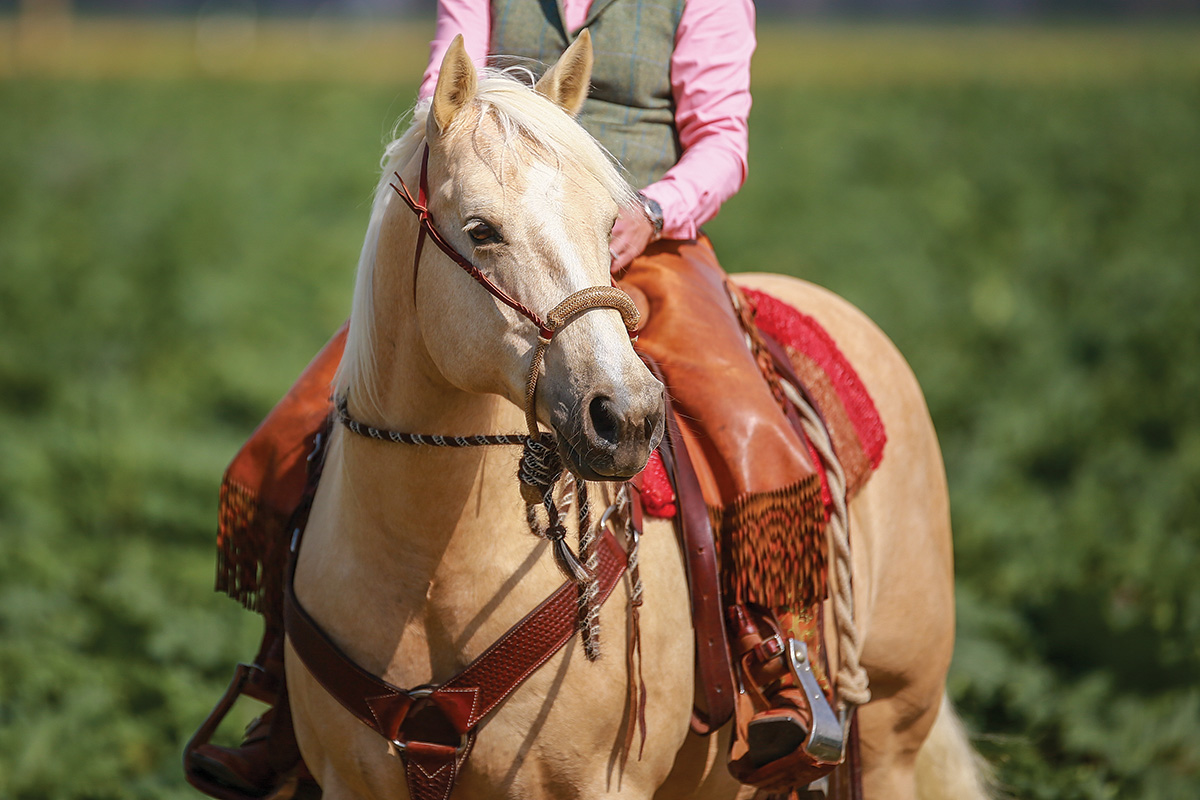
(762, 490)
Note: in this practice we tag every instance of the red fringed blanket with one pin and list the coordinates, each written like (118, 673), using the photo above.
(854, 424)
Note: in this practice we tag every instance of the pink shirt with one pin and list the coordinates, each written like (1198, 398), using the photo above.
(710, 78)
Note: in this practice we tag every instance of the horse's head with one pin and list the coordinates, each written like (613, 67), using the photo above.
(521, 192)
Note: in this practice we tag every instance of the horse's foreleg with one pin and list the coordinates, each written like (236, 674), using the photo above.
(700, 772)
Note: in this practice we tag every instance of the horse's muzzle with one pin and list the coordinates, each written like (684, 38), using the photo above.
(609, 436)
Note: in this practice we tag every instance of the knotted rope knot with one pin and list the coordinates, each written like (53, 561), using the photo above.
(540, 470)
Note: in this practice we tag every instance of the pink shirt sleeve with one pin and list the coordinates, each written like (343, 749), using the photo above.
(471, 18)
(710, 75)
(710, 78)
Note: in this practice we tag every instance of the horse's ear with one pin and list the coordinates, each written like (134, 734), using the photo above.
(567, 82)
(455, 84)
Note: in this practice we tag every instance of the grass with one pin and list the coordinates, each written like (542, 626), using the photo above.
(1017, 208)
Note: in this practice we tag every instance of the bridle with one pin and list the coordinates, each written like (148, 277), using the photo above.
(431, 768)
(556, 319)
(540, 467)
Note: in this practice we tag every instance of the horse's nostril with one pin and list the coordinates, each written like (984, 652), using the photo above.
(605, 424)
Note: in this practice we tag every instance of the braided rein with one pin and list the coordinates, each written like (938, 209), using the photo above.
(430, 440)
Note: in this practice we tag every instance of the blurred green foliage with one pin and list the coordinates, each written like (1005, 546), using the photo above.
(172, 252)
(1035, 252)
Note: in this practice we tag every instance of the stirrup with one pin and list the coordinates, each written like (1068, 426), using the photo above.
(207, 768)
(788, 733)
(780, 731)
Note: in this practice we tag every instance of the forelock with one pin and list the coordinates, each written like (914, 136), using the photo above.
(530, 123)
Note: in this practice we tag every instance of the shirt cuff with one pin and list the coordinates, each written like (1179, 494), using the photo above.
(677, 218)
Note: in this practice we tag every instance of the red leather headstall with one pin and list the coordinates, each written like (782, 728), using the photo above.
(573, 305)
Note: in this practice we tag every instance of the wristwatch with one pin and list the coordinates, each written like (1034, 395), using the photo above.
(653, 212)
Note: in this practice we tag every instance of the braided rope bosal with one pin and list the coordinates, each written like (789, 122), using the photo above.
(560, 315)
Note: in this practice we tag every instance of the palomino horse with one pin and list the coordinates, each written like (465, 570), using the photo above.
(416, 559)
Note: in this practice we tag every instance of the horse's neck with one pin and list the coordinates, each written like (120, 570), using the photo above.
(420, 489)
(409, 504)
(403, 539)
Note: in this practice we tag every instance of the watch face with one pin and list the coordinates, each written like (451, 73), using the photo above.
(654, 212)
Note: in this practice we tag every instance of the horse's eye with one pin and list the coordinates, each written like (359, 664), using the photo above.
(482, 233)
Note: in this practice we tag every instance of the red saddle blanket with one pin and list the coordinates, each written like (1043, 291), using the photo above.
(841, 398)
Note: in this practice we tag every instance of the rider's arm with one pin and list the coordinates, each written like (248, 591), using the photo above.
(710, 76)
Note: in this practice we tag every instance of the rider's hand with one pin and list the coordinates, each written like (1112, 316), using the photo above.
(630, 236)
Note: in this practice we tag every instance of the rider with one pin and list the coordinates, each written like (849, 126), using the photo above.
(670, 99)
(670, 94)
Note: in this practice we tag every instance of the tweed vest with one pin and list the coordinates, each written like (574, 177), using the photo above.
(630, 110)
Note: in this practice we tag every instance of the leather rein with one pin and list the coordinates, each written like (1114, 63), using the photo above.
(557, 318)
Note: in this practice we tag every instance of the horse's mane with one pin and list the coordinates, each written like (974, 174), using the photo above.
(528, 121)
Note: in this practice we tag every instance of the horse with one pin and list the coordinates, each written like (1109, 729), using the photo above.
(416, 559)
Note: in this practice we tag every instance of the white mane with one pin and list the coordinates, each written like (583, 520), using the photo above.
(528, 121)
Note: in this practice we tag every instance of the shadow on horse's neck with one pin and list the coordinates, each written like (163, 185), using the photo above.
(413, 503)
(407, 499)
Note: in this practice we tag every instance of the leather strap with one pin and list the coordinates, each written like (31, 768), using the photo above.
(546, 328)
(713, 667)
(419, 206)
(474, 692)
(783, 366)
(419, 721)
(431, 770)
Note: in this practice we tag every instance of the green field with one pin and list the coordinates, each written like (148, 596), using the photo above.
(1019, 210)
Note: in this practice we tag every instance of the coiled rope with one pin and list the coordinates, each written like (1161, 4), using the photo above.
(852, 682)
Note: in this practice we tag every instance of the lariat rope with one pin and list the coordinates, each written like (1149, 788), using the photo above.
(852, 682)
